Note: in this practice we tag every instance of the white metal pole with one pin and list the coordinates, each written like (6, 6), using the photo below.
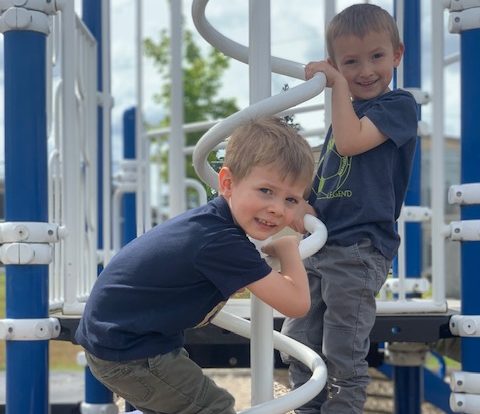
(399, 13)
(142, 185)
(107, 108)
(176, 159)
(329, 8)
(70, 147)
(260, 88)
(437, 148)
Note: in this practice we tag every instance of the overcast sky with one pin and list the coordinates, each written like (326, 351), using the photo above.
(296, 33)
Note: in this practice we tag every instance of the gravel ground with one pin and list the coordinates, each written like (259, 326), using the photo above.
(237, 381)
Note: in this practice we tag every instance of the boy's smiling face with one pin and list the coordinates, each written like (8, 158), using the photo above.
(366, 63)
(262, 203)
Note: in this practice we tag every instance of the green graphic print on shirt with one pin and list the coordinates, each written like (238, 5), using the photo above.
(332, 173)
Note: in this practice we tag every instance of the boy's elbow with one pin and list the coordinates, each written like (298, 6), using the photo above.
(300, 310)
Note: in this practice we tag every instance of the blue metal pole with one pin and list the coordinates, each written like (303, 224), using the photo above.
(128, 206)
(26, 200)
(470, 173)
(408, 379)
(95, 392)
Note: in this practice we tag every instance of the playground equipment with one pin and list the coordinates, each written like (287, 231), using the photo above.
(73, 221)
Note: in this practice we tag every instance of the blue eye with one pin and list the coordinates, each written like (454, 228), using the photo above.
(265, 190)
(349, 62)
(292, 200)
(378, 55)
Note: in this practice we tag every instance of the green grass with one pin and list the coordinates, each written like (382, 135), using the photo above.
(62, 354)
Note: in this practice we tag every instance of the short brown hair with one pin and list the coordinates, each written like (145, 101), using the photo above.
(269, 141)
(359, 20)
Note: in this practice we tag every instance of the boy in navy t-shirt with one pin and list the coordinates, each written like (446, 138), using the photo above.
(180, 273)
(358, 192)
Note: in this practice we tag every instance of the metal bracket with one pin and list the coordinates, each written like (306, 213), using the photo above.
(86, 408)
(31, 232)
(421, 97)
(25, 253)
(29, 329)
(464, 20)
(465, 325)
(416, 213)
(406, 354)
(458, 5)
(17, 18)
(465, 230)
(465, 403)
(466, 382)
(44, 6)
(464, 194)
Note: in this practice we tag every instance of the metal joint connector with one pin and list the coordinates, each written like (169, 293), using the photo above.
(459, 5)
(465, 403)
(416, 213)
(30, 232)
(466, 382)
(464, 20)
(25, 253)
(465, 230)
(45, 6)
(87, 408)
(17, 18)
(465, 325)
(464, 194)
(421, 97)
(29, 329)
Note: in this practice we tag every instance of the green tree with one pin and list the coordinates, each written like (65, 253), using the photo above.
(201, 83)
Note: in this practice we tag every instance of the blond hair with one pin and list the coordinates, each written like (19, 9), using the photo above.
(359, 20)
(269, 141)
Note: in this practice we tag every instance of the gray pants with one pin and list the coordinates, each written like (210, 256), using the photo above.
(343, 284)
(165, 384)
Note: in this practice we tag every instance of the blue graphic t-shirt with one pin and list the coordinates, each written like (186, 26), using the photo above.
(361, 196)
(174, 277)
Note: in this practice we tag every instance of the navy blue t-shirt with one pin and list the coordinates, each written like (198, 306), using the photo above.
(175, 276)
(361, 196)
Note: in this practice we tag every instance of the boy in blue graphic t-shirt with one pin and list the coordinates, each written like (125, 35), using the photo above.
(358, 192)
(179, 274)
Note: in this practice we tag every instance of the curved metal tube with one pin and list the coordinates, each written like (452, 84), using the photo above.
(285, 344)
(265, 107)
(236, 50)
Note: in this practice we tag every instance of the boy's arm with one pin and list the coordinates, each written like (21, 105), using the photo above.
(352, 135)
(288, 291)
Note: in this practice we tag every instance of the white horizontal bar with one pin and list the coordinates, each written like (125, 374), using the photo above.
(467, 382)
(29, 329)
(465, 325)
(465, 403)
(464, 194)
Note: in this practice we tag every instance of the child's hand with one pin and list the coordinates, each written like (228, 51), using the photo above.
(324, 66)
(281, 246)
(297, 224)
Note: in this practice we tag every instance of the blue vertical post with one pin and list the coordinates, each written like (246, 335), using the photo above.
(26, 200)
(408, 380)
(129, 228)
(470, 173)
(95, 392)
(128, 205)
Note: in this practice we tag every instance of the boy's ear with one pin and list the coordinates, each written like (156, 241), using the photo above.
(225, 181)
(397, 54)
